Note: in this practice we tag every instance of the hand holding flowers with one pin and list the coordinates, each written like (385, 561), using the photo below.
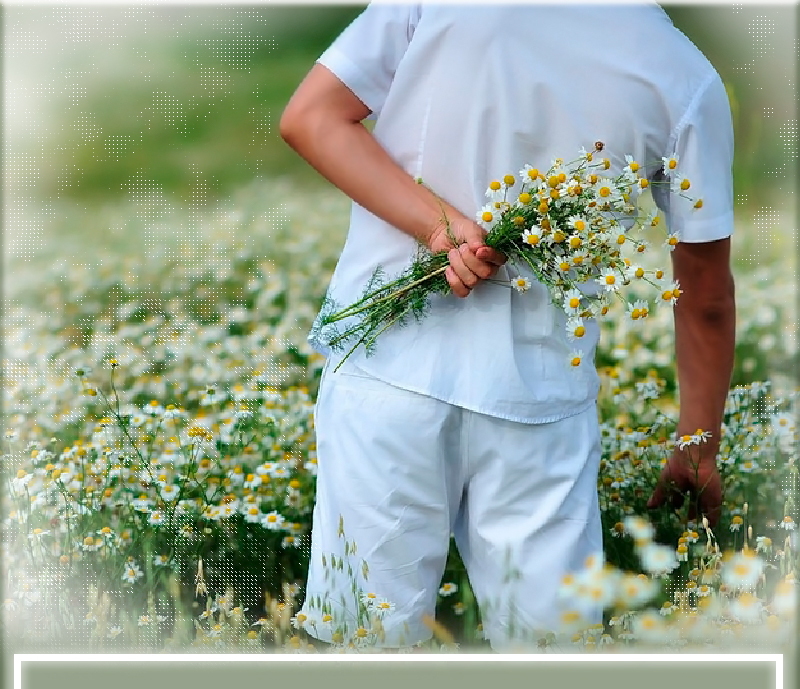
(569, 226)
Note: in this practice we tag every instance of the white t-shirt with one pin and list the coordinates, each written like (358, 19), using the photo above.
(466, 94)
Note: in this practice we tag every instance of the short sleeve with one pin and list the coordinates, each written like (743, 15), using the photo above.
(366, 54)
(703, 144)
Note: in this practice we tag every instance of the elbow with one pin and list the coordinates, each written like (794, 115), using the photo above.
(289, 125)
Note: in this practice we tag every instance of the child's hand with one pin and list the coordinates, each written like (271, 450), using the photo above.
(470, 260)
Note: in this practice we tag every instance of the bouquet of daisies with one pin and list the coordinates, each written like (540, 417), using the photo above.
(568, 225)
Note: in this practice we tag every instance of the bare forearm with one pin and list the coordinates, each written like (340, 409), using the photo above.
(704, 343)
(343, 151)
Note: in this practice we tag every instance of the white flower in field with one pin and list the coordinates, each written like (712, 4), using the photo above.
(649, 626)
(156, 517)
(746, 608)
(784, 600)
(787, 523)
(571, 622)
(169, 493)
(290, 542)
(763, 543)
(640, 529)
(252, 481)
(636, 589)
(114, 632)
(132, 572)
(252, 514)
(369, 598)
(667, 608)
(142, 503)
(272, 521)
(299, 620)
(704, 590)
(743, 570)
(383, 607)
(448, 589)
(658, 559)
(161, 560)
(736, 522)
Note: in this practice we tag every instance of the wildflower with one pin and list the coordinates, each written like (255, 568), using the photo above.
(639, 528)
(763, 543)
(384, 607)
(736, 522)
(132, 572)
(667, 609)
(742, 571)
(670, 164)
(521, 284)
(448, 589)
(658, 559)
(575, 358)
(635, 590)
(272, 521)
(787, 523)
(161, 560)
(671, 241)
(156, 517)
(746, 608)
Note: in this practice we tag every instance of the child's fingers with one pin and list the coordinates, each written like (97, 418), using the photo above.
(458, 262)
(486, 253)
(458, 287)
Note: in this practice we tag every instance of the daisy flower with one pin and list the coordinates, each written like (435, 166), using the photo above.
(670, 165)
(671, 292)
(575, 328)
(132, 572)
(575, 358)
(658, 559)
(521, 284)
(572, 300)
(671, 241)
(742, 571)
(272, 521)
(448, 589)
(609, 280)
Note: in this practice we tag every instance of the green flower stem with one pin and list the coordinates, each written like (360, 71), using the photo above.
(345, 313)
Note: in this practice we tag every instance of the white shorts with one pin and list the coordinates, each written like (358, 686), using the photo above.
(403, 471)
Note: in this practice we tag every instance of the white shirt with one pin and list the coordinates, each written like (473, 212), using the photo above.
(464, 95)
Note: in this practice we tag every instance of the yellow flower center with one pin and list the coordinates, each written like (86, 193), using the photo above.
(525, 197)
(495, 185)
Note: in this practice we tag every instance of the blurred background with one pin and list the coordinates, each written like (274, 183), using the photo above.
(110, 102)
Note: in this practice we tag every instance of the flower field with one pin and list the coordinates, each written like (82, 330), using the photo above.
(159, 456)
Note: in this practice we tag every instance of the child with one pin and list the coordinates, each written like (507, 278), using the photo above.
(473, 421)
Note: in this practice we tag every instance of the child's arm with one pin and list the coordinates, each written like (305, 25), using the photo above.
(322, 122)
(705, 323)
